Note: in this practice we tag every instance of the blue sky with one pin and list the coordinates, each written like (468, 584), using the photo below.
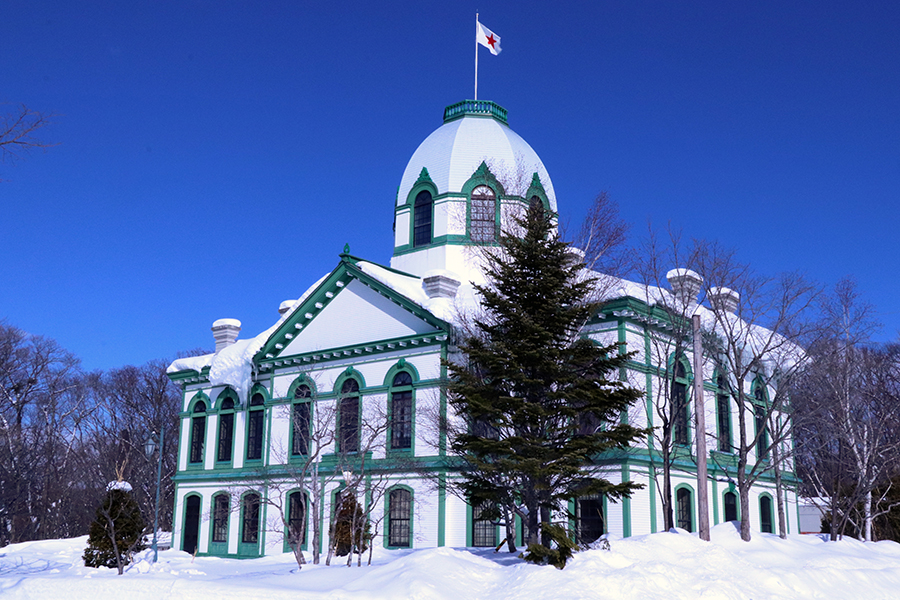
(213, 158)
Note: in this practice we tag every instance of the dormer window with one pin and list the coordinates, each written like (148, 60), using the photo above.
(482, 226)
(422, 218)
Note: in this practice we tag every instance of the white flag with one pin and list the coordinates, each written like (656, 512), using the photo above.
(488, 39)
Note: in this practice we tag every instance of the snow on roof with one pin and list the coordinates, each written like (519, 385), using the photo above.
(233, 364)
(456, 149)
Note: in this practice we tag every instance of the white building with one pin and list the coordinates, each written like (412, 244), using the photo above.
(359, 354)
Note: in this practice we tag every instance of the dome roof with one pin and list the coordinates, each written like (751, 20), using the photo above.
(475, 131)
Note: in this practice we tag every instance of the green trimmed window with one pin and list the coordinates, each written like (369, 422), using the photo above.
(349, 417)
(679, 405)
(731, 512)
(765, 514)
(684, 517)
(255, 426)
(760, 415)
(226, 431)
(483, 221)
(484, 530)
(297, 509)
(401, 412)
(250, 519)
(723, 415)
(423, 210)
(198, 432)
(400, 518)
(220, 518)
(300, 415)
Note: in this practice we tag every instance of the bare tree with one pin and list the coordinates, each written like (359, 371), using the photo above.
(18, 131)
(850, 406)
(41, 407)
(757, 332)
(669, 341)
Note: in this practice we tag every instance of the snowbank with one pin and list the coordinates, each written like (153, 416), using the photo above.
(659, 566)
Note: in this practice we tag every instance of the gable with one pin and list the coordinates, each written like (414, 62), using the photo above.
(356, 315)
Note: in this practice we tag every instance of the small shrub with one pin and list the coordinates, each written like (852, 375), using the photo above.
(561, 550)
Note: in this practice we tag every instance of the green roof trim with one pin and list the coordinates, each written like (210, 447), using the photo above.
(477, 108)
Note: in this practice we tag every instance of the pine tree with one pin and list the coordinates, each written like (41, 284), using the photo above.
(352, 530)
(116, 533)
(541, 401)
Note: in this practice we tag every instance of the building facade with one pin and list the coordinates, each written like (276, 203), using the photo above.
(344, 390)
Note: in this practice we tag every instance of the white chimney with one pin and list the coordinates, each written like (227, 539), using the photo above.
(440, 284)
(226, 332)
(723, 298)
(686, 284)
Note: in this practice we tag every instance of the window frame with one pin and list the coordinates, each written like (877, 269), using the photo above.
(724, 434)
(681, 420)
(402, 516)
(197, 444)
(225, 439)
(487, 204)
(684, 507)
(220, 517)
(348, 398)
(301, 424)
(422, 206)
(766, 517)
(406, 393)
(251, 519)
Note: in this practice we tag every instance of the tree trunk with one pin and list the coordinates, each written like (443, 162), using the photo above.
(779, 496)
(510, 530)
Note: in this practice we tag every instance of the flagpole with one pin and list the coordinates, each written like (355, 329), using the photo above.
(476, 56)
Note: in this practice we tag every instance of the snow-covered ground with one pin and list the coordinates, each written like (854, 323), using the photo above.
(663, 565)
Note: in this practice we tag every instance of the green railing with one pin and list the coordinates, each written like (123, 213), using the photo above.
(484, 108)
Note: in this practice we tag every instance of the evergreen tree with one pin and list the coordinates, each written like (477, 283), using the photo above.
(541, 401)
(116, 533)
(352, 530)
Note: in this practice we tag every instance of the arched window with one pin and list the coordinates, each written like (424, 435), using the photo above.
(482, 225)
(589, 523)
(220, 518)
(226, 431)
(731, 513)
(765, 514)
(250, 519)
(198, 432)
(684, 517)
(349, 417)
(484, 530)
(679, 405)
(723, 414)
(300, 415)
(535, 202)
(255, 425)
(760, 416)
(401, 411)
(422, 218)
(297, 505)
(400, 518)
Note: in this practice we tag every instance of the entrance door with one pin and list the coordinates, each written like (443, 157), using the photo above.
(191, 525)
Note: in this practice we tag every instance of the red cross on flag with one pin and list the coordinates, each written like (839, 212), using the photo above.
(488, 39)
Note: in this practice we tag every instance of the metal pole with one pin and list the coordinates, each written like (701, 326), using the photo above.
(158, 479)
(700, 416)
(476, 55)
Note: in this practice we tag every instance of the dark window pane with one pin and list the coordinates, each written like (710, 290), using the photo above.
(401, 420)
(399, 514)
(679, 413)
(402, 378)
(297, 518)
(765, 514)
(300, 421)
(723, 411)
(220, 518)
(257, 400)
(422, 218)
(731, 506)
(349, 415)
(198, 434)
(250, 529)
(255, 434)
(589, 518)
(227, 404)
(226, 436)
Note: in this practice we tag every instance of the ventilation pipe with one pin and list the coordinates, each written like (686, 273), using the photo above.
(686, 284)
